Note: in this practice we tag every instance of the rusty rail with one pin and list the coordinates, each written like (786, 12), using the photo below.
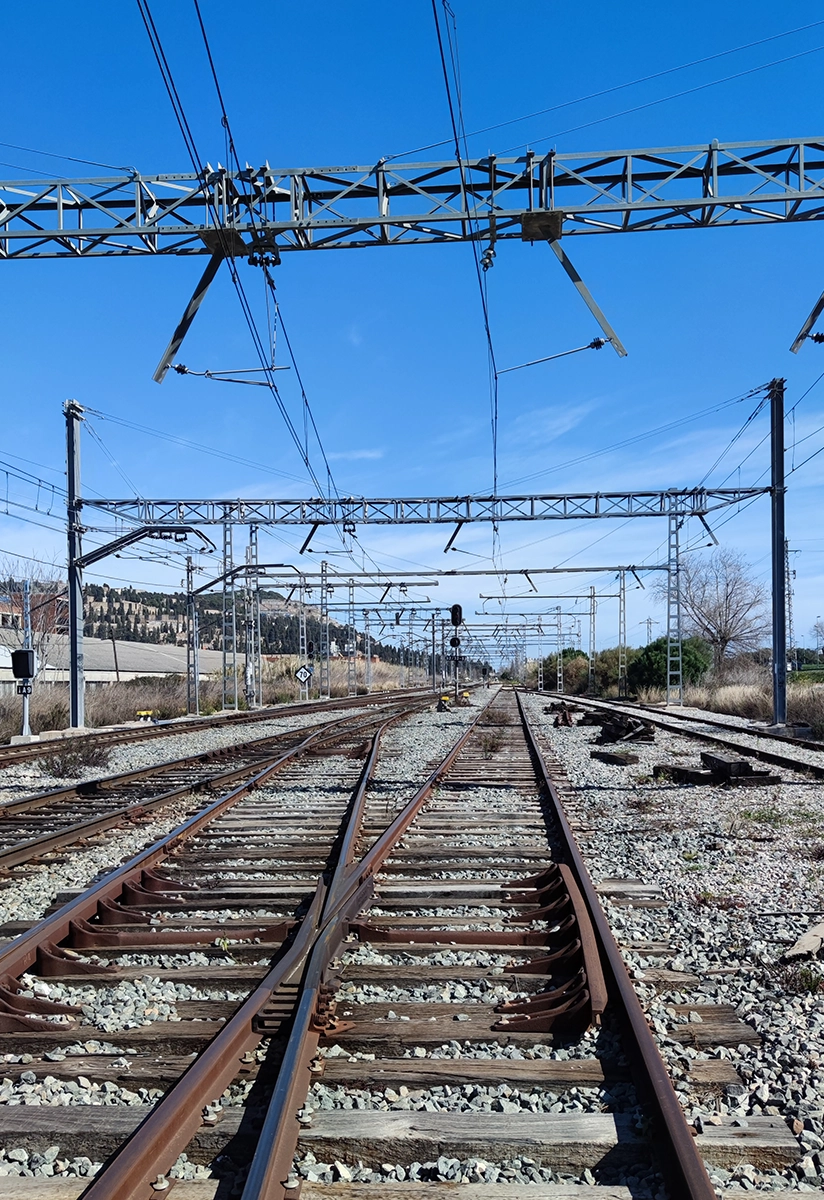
(24, 851)
(9, 755)
(774, 757)
(349, 890)
(154, 1146)
(22, 953)
(687, 1174)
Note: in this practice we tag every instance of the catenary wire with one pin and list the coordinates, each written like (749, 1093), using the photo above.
(307, 410)
(663, 100)
(735, 437)
(670, 425)
(616, 88)
(459, 134)
(180, 441)
(233, 151)
(189, 141)
(89, 162)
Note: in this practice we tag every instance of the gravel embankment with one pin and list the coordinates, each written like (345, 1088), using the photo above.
(28, 897)
(740, 871)
(409, 750)
(24, 779)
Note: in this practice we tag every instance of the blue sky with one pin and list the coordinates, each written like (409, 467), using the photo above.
(390, 343)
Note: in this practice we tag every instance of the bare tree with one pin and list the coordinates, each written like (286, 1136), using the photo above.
(47, 597)
(818, 633)
(722, 603)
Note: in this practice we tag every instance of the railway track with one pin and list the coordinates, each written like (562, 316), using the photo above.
(106, 738)
(417, 986)
(50, 821)
(804, 756)
(716, 721)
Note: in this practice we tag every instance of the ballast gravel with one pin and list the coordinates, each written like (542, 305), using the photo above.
(740, 872)
(127, 1004)
(23, 779)
(28, 897)
(524, 1170)
(471, 1098)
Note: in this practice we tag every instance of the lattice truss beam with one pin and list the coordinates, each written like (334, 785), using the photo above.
(423, 511)
(533, 197)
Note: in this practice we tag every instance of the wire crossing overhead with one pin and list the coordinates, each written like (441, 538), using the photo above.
(535, 197)
(691, 502)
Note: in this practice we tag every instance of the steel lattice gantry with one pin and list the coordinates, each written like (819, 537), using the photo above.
(533, 197)
(687, 502)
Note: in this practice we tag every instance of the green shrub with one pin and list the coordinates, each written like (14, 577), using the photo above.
(649, 669)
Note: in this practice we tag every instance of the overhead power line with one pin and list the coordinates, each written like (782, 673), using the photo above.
(197, 164)
(662, 100)
(189, 444)
(618, 87)
(639, 437)
(461, 151)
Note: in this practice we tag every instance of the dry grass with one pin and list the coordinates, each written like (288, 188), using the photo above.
(118, 703)
(497, 716)
(65, 763)
(491, 743)
(805, 701)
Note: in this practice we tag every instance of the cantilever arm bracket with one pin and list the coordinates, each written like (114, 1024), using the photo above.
(136, 535)
(453, 535)
(804, 331)
(587, 297)
(309, 537)
(704, 522)
(189, 315)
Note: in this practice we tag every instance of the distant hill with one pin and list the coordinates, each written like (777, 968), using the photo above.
(132, 615)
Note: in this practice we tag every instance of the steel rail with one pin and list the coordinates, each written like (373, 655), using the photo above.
(20, 954)
(773, 757)
(90, 787)
(715, 721)
(23, 852)
(683, 1164)
(9, 755)
(351, 885)
(154, 1146)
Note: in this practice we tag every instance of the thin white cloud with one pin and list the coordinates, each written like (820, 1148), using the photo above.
(352, 455)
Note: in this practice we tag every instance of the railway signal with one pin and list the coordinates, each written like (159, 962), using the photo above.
(24, 664)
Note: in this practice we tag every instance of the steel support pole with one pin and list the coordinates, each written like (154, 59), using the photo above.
(249, 678)
(675, 683)
(255, 556)
(434, 665)
(792, 649)
(367, 649)
(559, 661)
(234, 642)
(303, 651)
(196, 656)
(77, 676)
(225, 621)
(591, 673)
(622, 633)
(325, 670)
(351, 645)
(779, 590)
(191, 683)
